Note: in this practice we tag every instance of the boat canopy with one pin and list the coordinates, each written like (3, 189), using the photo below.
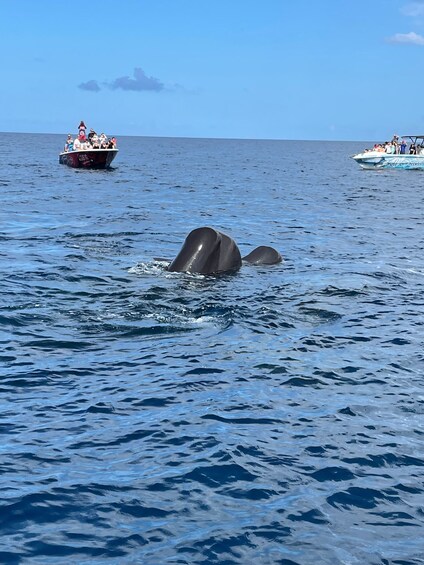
(412, 137)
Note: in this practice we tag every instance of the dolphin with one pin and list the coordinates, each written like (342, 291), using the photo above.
(263, 255)
(208, 251)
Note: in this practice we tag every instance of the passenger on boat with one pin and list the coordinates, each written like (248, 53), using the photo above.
(112, 143)
(68, 143)
(77, 144)
(403, 147)
(81, 131)
(91, 135)
(395, 143)
(103, 141)
(412, 149)
(95, 141)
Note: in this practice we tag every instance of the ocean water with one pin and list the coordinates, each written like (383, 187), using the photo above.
(272, 416)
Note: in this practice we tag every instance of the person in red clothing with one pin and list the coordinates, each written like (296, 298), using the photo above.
(112, 143)
(81, 130)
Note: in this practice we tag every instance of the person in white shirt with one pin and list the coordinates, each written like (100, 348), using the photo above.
(103, 140)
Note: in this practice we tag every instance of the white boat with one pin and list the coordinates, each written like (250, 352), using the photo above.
(372, 159)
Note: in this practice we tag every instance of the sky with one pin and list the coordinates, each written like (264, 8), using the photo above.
(255, 69)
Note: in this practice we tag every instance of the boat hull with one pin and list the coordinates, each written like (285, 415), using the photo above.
(93, 159)
(379, 160)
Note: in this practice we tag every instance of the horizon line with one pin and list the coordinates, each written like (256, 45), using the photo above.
(201, 137)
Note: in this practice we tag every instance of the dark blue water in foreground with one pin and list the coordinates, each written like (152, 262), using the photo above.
(274, 416)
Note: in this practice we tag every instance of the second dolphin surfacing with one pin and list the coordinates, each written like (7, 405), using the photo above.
(208, 251)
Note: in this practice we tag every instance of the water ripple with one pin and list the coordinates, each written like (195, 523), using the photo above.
(272, 416)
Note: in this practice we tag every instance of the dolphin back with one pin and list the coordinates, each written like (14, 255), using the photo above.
(229, 254)
(263, 255)
(207, 251)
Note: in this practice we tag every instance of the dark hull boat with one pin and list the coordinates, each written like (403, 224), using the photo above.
(88, 158)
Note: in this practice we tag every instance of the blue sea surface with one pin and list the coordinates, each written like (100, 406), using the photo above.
(272, 416)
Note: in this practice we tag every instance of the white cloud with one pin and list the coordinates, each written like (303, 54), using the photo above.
(411, 38)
